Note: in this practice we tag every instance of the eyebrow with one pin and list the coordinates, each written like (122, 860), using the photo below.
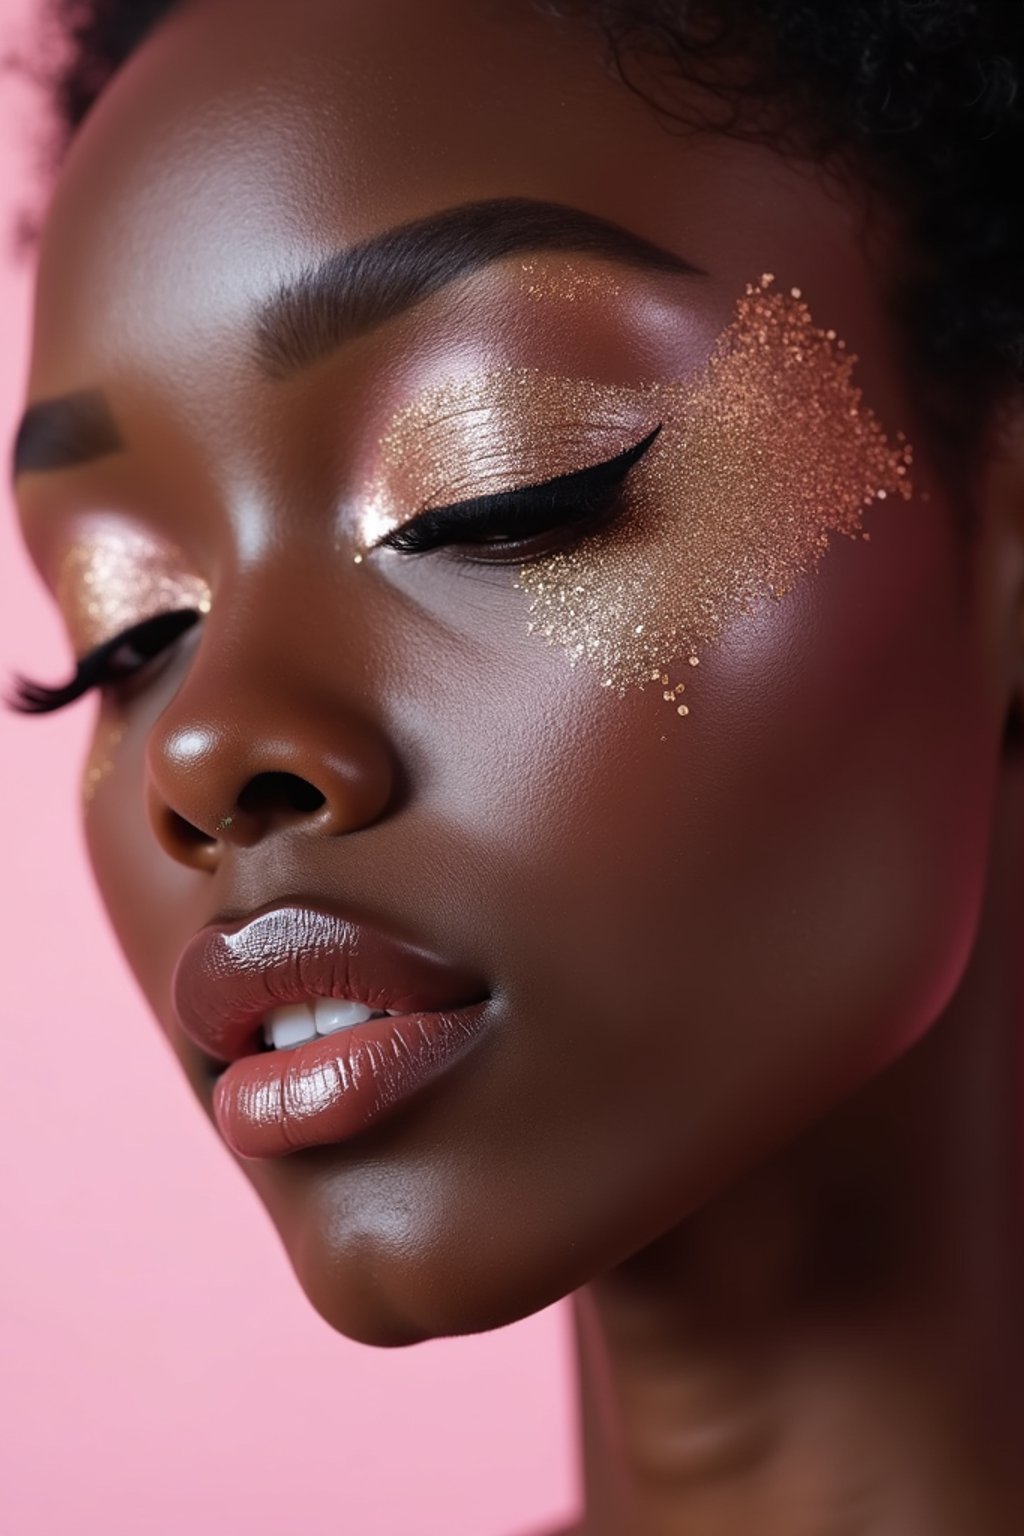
(72, 429)
(356, 289)
(351, 292)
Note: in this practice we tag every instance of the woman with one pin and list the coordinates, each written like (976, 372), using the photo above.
(549, 539)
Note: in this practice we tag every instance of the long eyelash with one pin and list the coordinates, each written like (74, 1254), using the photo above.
(563, 501)
(30, 698)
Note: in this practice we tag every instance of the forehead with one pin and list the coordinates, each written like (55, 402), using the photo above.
(247, 137)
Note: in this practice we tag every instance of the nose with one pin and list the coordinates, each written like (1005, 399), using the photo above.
(235, 759)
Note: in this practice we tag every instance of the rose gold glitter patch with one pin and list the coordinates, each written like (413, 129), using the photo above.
(757, 464)
(113, 577)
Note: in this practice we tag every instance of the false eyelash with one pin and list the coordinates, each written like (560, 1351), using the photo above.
(570, 499)
(93, 671)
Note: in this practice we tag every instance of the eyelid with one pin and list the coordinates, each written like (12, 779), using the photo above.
(442, 523)
(113, 569)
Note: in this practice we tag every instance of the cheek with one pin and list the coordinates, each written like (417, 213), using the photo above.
(101, 761)
(746, 912)
(154, 903)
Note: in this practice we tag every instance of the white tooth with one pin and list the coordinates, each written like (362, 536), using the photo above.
(333, 1013)
(291, 1025)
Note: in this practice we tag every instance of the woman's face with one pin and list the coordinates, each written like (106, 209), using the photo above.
(696, 932)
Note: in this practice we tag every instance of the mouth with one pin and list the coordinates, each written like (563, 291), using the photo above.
(313, 1027)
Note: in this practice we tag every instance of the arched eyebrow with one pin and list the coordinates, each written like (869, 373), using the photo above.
(352, 291)
(360, 287)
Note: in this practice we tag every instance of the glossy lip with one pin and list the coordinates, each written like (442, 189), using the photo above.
(269, 1103)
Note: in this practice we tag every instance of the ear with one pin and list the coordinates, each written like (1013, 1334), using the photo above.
(1000, 509)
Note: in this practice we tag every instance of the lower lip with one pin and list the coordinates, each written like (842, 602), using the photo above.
(331, 1088)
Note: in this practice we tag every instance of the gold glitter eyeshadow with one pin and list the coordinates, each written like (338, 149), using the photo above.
(567, 282)
(488, 432)
(113, 577)
(760, 459)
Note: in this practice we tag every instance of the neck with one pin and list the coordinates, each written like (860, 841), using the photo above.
(836, 1344)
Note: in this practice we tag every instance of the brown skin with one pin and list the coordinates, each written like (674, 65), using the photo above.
(753, 1095)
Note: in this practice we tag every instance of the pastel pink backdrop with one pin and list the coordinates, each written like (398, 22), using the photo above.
(160, 1369)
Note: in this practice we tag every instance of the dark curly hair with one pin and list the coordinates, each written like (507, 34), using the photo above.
(923, 96)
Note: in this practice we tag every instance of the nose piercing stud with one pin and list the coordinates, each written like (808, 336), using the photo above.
(225, 821)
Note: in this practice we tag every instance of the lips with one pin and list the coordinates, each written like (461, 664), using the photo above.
(270, 1103)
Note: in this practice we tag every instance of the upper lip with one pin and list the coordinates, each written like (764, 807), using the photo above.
(229, 976)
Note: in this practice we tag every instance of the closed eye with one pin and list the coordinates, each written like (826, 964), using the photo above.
(508, 525)
(111, 664)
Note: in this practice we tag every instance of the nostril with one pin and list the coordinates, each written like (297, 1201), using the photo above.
(181, 831)
(269, 791)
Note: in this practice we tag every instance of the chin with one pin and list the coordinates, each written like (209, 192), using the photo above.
(391, 1300)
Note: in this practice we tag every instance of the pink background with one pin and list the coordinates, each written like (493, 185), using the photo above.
(160, 1369)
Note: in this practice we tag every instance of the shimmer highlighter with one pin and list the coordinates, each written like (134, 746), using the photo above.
(759, 459)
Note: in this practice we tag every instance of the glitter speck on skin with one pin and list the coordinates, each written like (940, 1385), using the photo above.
(113, 577)
(101, 759)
